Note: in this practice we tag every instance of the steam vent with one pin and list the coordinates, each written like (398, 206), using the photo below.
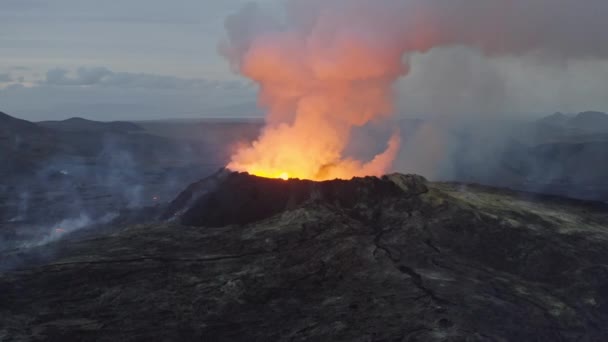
(397, 258)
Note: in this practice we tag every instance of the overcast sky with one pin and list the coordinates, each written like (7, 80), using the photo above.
(117, 59)
(148, 59)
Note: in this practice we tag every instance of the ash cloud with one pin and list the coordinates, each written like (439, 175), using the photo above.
(553, 28)
(392, 34)
(70, 192)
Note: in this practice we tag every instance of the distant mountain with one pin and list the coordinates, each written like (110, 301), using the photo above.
(555, 119)
(593, 121)
(22, 143)
(18, 135)
(81, 125)
(11, 125)
(586, 121)
(50, 174)
(26, 148)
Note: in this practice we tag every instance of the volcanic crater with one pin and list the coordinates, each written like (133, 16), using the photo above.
(239, 198)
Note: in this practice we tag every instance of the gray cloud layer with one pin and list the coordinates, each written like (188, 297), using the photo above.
(558, 28)
(5, 77)
(102, 76)
(103, 94)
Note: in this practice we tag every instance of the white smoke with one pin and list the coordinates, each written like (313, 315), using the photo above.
(373, 42)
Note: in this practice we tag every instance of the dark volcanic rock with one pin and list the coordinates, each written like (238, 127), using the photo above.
(373, 259)
(238, 198)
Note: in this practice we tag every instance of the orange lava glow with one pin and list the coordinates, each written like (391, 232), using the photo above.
(301, 162)
(317, 86)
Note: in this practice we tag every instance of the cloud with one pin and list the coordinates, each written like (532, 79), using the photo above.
(21, 4)
(456, 82)
(83, 77)
(5, 78)
(102, 76)
(102, 94)
(90, 76)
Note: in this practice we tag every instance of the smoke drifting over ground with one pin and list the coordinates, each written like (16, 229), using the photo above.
(327, 67)
(88, 179)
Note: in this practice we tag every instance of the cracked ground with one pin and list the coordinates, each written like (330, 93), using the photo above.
(391, 259)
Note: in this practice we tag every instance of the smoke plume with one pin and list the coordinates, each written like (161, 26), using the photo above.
(327, 67)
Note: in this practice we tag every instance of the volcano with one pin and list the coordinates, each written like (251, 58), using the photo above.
(239, 198)
(396, 258)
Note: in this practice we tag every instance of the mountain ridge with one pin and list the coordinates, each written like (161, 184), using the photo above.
(81, 124)
(592, 121)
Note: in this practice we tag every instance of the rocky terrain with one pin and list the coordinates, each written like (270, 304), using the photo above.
(397, 258)
(59, 173)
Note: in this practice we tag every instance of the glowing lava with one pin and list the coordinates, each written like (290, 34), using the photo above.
(297, 160)
(318, 82)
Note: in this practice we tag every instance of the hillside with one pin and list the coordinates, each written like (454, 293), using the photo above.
(9, 124)
(589, 122)
(50, 174)
(390, 259)
(593, 121)
(84, 125)
(22, 144)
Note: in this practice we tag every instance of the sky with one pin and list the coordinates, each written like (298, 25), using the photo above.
(156, 58)
(152, 59)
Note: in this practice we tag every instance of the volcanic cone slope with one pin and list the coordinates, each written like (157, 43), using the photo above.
(240, 258)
